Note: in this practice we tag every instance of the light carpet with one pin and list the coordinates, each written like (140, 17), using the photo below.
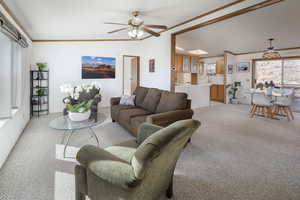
(230, 157)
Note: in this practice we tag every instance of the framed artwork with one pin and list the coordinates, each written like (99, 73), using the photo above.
(230, 69)
(98, 67)
(151, 65)
(186, 64)
(243, 67)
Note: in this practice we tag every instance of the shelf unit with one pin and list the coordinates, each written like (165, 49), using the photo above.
(39, 93)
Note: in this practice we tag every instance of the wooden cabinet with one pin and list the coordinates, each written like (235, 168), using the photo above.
(178, 62)
(220, 67)
(186, 66)
(217, 93)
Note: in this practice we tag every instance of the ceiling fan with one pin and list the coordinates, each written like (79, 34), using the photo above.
(136, 27)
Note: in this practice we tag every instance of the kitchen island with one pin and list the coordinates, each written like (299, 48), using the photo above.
(199, 94)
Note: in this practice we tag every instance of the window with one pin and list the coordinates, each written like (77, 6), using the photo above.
(5, 76)
(291, 72)
(16, 75)
(281, 72)
(211, 68)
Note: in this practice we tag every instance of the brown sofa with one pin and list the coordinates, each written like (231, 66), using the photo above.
(153, 106)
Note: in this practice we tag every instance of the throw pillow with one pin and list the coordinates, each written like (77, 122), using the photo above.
(127, 100)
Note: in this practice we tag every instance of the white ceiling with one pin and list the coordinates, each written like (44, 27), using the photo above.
(248, 32)
(79, 19)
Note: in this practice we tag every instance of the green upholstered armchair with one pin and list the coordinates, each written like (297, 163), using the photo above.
(133, 170)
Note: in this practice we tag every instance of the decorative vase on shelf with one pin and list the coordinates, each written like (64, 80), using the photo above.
(77, 116)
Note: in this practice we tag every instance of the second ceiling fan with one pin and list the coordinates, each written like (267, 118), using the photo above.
(136, 27)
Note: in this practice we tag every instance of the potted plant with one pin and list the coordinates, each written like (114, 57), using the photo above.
(41, 66)
(269, 87)
(81, 111)
(79, 97)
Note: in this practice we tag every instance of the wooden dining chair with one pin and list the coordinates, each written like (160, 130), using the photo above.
(283, 106)
(262, 106)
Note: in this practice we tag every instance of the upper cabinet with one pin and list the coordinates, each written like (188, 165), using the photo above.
(220, 67)
(186, 63)
(179, 62)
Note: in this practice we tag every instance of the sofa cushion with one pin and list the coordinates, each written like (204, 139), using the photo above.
(126, 115)
(171, 101)
(151, 100)
(137, 121)
(140, 94)
(115, 111)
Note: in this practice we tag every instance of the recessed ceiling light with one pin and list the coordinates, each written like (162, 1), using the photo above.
(198, 52)
(179, 48)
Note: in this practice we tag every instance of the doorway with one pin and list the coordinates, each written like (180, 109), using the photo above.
(131, 74)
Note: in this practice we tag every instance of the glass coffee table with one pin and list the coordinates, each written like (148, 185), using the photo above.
(70, 127)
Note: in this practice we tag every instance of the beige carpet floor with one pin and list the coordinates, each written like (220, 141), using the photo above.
(231, 157)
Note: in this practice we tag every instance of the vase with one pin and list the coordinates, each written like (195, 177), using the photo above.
(77, 117)
(269, 91)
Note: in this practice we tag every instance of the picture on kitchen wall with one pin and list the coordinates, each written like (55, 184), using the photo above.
(230, 69)
(98, 67)
(243, 67)
(151, 65)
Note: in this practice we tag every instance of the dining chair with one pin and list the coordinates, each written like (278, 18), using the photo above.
(283, 104)
(261, 105)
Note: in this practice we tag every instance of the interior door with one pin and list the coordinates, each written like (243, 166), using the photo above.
(134, 74)
(130, 74)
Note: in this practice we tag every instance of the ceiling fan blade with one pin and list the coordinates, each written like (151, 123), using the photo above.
(115, 23)
(117, 30)
(151, 32)
(156, 26)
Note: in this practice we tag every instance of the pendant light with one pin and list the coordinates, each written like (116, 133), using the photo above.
(271, 52)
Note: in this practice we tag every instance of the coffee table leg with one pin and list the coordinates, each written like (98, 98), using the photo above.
(68, 139)
(63, 137)
(94, 135)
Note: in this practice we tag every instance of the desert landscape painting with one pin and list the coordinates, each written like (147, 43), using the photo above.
(98, 67)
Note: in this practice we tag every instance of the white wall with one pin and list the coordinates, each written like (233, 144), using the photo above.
(160, 50)
(11, 129)
(64, 63)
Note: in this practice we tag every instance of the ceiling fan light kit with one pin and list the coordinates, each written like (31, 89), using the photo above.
(137, 28)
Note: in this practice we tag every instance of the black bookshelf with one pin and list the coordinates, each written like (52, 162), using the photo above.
(39, 93)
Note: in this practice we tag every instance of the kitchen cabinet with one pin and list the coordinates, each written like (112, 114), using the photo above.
(220, 67)
(217, 93)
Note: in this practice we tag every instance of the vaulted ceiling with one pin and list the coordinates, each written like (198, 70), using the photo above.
(248, 32)
(79, 19)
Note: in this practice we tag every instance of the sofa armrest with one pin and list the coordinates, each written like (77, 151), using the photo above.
(115, 101)
(145, 130)
(107, 166)
(167, 118)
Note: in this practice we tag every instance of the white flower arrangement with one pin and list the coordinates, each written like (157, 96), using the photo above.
(74, 91)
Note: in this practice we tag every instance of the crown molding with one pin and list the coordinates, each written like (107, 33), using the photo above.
(88, 40)
(261, 51)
